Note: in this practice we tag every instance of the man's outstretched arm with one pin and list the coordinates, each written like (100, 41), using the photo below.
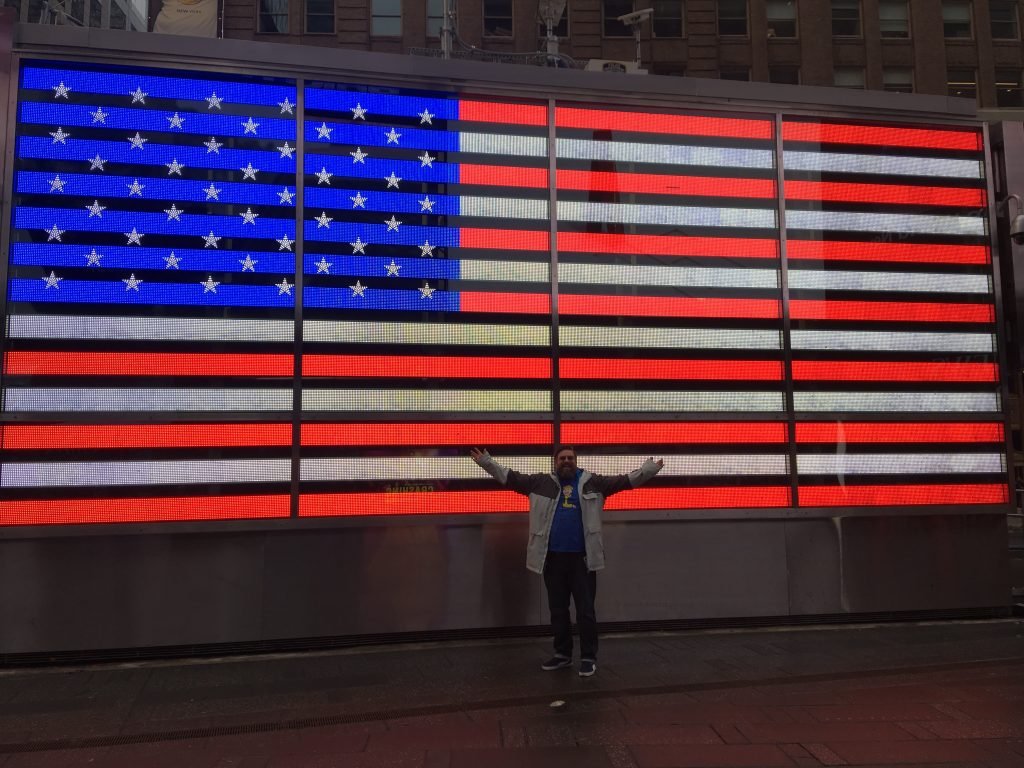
(609, 484)
(514, 481)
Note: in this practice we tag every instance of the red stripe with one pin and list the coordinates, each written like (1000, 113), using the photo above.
(898, 252)
(504, 239)
(822, 370)
(426, 366)
(503, 176)
(432, 434)
(898, 311)
(902, 495)
(872, 135)
(701, 498)
(145, 364)
(629, 432)
(884, 193)
(747, 370)
(655, 306)
(485, 502)
(493, 112)
(412, 503)
(658, 245)
(646, 122)
(907, 432)
(180, 509)
(663, 184)
(79, 436)
(513, 303)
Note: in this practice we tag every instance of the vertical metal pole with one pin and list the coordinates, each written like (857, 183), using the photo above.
(446, 29)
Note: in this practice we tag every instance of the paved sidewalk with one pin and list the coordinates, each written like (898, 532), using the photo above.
(939, 694)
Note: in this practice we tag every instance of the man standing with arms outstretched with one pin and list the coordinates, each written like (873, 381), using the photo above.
(565, 543)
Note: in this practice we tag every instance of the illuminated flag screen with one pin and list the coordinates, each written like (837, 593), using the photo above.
(235, 297)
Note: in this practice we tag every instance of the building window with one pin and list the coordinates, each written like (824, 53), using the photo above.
(320, 17)
(561, 29)
(612, 10)
(848, 77)
(898, 79)
(435, 17)
(732, 18)
(667, 20)
(386, 18)
(273, 19)
(1008, 88)
(1004, 19)
(894, 18)
(781, 18)
(956, 19)
(845, 18)
(498, 18)
(784, 75)
(734, 73)
(961, 83)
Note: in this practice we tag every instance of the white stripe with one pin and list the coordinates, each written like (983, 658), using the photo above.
(502, 144)
(895, 341)
(910, 402)
(188, 329)
(135, 400)
(702, 277)
(882, 164)
(664, 154)
(382, 400)
(458, 467)
(37, 475)
(696, 464)
(347, 332)
(899, 463)
(411, 468)
(673, 402)
(885, 222)
(668, 215)
(916, 282)
(505, 271)
(668, 338)
(503, 207)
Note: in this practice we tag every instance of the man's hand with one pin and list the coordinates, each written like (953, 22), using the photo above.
(478, 456)
(659, 462)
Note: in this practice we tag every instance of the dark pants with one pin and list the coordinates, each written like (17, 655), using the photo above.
(565, 575)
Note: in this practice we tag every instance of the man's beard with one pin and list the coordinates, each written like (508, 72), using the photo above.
(567, 473)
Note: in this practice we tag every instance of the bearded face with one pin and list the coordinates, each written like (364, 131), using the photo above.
(565, 464)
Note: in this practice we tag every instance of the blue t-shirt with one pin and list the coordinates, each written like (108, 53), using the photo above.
(567, 527)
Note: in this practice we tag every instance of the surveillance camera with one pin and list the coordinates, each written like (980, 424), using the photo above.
(636, 17)
(1017, 229)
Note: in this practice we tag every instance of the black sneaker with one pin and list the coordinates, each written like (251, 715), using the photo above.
(587, 668)
(556, 662)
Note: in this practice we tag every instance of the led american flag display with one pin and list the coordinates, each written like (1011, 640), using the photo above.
(892, 301)
(149, 360)
(236, 297)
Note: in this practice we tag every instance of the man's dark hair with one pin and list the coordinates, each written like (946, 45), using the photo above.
(560, 448)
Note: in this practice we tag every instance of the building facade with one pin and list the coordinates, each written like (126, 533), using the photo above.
(963, 48)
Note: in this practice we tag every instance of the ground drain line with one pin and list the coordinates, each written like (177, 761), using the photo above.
(437, 709)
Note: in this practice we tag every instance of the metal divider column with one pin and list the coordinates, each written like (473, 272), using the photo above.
(787, 347)
(300, 154)
(556, 400)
